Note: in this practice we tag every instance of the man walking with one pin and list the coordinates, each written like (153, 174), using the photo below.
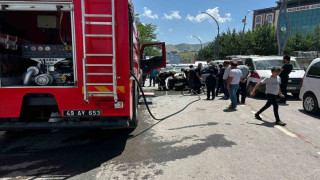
(243, 84)
(153, 78)
(225, 78)
(272, 92)
(233, 81)
(284, 75)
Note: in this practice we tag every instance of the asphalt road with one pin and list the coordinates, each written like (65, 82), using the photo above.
(203, 142)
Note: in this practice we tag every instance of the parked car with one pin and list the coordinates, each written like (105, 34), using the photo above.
(261, 66)
(310, 90)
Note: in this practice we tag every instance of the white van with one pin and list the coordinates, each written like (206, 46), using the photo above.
(261, 66)
(310, 91)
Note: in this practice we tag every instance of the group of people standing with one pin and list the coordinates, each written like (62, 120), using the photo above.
(194, 78)
(235, 82)
(232, 79)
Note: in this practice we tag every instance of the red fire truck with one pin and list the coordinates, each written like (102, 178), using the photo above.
(69, 64)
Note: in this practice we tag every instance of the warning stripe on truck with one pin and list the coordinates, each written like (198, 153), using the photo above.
(120, 89)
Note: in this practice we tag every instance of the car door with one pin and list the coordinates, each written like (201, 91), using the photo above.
(153, 56)
(313, 79)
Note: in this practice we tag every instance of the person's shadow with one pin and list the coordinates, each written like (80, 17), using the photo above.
(264, 123)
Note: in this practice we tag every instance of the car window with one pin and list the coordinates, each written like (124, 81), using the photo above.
(269, 64)
(314, 70)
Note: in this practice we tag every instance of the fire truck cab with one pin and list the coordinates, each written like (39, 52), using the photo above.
(67, 64)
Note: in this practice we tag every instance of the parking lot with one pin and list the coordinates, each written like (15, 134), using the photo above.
(205, 141)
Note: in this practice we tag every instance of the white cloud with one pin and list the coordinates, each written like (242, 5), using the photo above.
(189, 37)
(170, 30)
(173, 15)
(214, 12)
(148, 13)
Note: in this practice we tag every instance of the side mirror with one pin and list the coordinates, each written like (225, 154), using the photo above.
(153, 56)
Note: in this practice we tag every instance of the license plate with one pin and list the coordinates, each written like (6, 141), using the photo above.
(81, 113)
(291, 88)
(178, 84)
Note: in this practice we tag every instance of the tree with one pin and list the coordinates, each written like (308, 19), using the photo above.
(147, 32)
(316, 39)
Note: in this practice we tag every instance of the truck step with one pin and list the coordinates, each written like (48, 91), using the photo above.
(98, 35)
(101, 95)
(99, 84)
(99, 74)
(100, 92)
(98, 23)
(99, 55)
(97, 15)
(99, 65)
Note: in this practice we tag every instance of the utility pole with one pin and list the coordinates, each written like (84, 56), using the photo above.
(217, 50)
(283, 28)
(200, 44)
(244, 28)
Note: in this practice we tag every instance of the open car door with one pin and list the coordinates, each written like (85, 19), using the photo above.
(153, 56)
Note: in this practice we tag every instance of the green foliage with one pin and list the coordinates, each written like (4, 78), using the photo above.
(147, 32)
(262, 41)
(316, 38)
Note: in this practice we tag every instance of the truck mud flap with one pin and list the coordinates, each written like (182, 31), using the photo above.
(118, 124)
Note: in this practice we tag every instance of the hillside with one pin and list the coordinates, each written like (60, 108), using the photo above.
(183, 47)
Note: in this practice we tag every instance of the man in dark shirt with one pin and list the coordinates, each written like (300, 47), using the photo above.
(191, 77)
(198, 78)
(220, 87)
(211, 84)
(284, 75)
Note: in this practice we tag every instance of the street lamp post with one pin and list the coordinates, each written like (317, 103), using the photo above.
(217, 39)
(283, 27)
(199, 41)
(244, 28)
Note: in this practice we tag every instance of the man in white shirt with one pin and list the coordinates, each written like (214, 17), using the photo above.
(225, 78)
(233, 81)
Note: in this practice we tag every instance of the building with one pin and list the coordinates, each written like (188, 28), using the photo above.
(303, 15)
(173, 59)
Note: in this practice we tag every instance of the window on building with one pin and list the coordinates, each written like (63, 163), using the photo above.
(314, 71)
(258, 19)
(270, 18)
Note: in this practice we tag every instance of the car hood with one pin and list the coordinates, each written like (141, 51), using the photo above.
(293, 74)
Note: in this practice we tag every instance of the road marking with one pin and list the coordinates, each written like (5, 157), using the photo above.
(281, 128)
(255, 114)
(285, 131)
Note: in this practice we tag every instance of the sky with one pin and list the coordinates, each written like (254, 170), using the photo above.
(178, 20)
